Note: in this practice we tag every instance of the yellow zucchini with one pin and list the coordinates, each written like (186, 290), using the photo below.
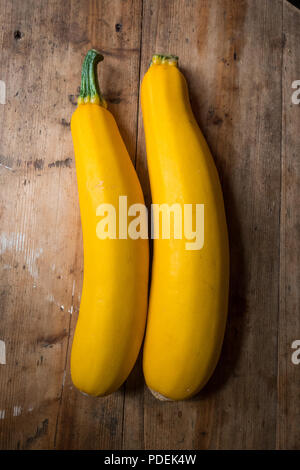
(113, 307)
(189, 288)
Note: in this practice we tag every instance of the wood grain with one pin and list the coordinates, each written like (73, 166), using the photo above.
(38, 222)
(288, 417)
(239, 59)
(236, 111)
(84, 422)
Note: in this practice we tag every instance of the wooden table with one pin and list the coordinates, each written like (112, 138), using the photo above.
(240, 59)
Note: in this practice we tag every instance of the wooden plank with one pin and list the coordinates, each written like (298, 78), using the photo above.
(42, 47)
(37, 223)
(231, 54)
(288, 373)
(85, 422)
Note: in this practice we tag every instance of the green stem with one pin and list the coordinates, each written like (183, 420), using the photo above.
(89, 89)
(158, 59)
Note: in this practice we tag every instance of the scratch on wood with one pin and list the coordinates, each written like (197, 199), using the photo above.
(49, 341)
(61, 163)
(6, 243)
(50, 298)
(65, 368)
(17, 410)
(16, 241)
(7, 167)
(73, 292)
(31, 261)
(7, 162)
(2, 352)
(2, 92)
(40, 431)
(38, 164)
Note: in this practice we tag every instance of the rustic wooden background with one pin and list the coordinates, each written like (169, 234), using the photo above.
(240, 59)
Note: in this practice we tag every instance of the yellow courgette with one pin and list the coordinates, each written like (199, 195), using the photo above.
(189, 288)
(113, 306)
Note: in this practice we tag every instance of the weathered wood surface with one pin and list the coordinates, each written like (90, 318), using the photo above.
(240, 59)
(288, 417)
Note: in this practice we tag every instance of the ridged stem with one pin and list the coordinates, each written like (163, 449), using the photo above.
(159, 59)
(89, 89)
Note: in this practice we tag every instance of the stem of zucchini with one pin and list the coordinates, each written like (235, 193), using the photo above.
(89, 89)
(159, 59)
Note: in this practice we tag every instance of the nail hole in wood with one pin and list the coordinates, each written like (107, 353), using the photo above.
(17, 35)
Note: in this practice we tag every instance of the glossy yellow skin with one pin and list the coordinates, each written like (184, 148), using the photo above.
(112, 315)
(189, 289)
